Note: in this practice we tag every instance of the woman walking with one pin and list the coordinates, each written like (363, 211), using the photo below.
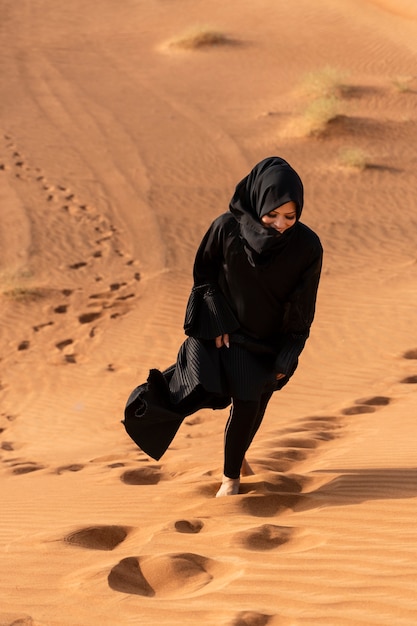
(256, 275)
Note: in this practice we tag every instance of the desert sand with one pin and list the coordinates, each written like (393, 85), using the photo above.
(117, 149)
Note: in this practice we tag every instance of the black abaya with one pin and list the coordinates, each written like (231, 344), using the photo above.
(252, 283)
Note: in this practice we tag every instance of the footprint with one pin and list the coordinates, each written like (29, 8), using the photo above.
(374, 401)
(38, 327)
(7, 446)
(142, 476)
(63, 344)
(116, 286)
(410, 354)
(265, 537)
(62, 308)
(127, 577)
(70, 358)
(73, 467)
(357, 410)
(168, 575)
(268, 505)
(188, 526)
(77, 266)
(251, 618)
(16, 619)
(87, 318)
(26, 468)
(409, 380)
(98, 537)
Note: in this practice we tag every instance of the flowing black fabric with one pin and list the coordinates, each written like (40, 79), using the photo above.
(251, 282)
(152, 418)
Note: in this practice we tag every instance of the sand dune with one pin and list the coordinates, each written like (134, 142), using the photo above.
(117, 149)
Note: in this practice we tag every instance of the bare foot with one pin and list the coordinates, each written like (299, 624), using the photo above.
(246, 469)
(229, 487)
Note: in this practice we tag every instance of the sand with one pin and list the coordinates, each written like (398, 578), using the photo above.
(117, 149)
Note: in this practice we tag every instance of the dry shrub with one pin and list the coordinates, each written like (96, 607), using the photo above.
(327, 82)
(354, 158)
(318, 114)
(24, 294)
(403, 84)
(18, 286)
(323, 90)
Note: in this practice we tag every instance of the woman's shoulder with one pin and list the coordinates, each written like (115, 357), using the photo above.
(224, 223)
(309, 237)
(225, 220)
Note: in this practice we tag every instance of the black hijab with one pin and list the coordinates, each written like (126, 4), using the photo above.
(270, 184)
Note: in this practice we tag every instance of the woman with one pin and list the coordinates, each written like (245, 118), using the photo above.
(256, 275)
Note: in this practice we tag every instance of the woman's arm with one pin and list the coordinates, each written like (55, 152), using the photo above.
(299, 316)
(209, 256)
(208, 315)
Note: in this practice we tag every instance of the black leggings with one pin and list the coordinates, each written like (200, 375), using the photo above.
(244, 420)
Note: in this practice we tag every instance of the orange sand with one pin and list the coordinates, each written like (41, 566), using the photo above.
(116, 152)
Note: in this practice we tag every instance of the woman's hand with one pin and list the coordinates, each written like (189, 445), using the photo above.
(222, 340)
(279, 376)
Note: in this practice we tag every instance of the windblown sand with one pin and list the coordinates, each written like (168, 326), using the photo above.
(117, 149)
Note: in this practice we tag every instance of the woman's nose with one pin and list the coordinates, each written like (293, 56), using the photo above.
(279, 222)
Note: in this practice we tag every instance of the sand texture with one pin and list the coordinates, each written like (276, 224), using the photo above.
(122, 136)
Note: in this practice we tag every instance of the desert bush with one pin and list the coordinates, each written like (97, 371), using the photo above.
(18, 286)
(24, 294)
(403, 83)
(327, 82)
(319, 113)
(353, 157)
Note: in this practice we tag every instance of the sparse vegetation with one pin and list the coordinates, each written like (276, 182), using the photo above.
(200, 37)
(353, 157)
(18, 286)
(403, 83)
(323, 90)
(327, 82)
(24, 294)
(319, 113)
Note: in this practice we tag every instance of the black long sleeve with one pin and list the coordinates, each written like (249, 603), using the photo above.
(208, 313)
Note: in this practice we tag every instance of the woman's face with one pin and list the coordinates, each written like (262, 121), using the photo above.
(281, 218)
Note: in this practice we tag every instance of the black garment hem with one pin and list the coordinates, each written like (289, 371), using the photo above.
(152, 420)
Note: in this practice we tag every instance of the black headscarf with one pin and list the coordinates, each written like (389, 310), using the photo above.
(270, 184)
